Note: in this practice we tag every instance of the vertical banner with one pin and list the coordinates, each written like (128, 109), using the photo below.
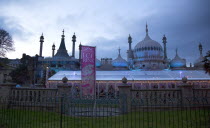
(88, 71)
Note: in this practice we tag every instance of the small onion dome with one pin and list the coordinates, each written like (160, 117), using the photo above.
(178, 62)
(199, 62)
(65, 79)
(98, 63)
(119, 61)
(53, 47)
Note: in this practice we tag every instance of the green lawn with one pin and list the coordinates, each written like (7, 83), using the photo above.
(11, 118)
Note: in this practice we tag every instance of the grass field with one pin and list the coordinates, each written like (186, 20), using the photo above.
(11, 118)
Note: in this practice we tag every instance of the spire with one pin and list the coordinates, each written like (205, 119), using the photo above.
(200, 49)
(129, 39)
(119, 51)
(62, 52)
(63, 34)
(146, 29)
(176, 51)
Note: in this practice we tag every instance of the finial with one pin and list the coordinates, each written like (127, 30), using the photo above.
(176, 51)
(129, 39)
(42, 34)
(119, 50)
(63, 34)
(146, 28)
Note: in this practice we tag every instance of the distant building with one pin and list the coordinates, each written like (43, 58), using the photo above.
(148, 54)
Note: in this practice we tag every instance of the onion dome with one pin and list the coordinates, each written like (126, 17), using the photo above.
(98, 63)
(119, 61)
(42, 38)
(178, 62)
(148, 49)
(53, 46)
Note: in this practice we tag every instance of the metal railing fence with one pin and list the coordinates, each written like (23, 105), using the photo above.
(68, 112)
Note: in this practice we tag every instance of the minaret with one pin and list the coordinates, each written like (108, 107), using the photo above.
(147, 29)
(73, 46)
(80, 48)
(53, 50)
(41, 44)
(164, 45)
(129, 41)
(200, 49)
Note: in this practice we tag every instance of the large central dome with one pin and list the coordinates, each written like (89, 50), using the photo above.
(150, 51)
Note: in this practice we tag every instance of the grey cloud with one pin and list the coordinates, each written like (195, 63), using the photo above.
(14, 28)
(106, 48)
(184, 27)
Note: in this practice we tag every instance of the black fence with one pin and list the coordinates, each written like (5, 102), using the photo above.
(68, 112)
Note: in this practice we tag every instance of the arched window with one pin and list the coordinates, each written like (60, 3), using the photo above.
(148, 48)
(145, 48)
(151, 48)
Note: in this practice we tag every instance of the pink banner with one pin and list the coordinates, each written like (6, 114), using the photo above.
(88, 71)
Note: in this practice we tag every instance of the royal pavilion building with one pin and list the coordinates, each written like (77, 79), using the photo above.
(146, 67)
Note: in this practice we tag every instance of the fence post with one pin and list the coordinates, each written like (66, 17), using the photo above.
(186, 91)
(125, 96)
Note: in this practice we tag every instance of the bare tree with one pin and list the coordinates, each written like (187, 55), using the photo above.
(6, 43)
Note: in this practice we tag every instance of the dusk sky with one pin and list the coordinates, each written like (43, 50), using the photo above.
(106, 24)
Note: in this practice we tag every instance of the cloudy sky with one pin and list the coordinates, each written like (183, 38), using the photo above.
(106, 24)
